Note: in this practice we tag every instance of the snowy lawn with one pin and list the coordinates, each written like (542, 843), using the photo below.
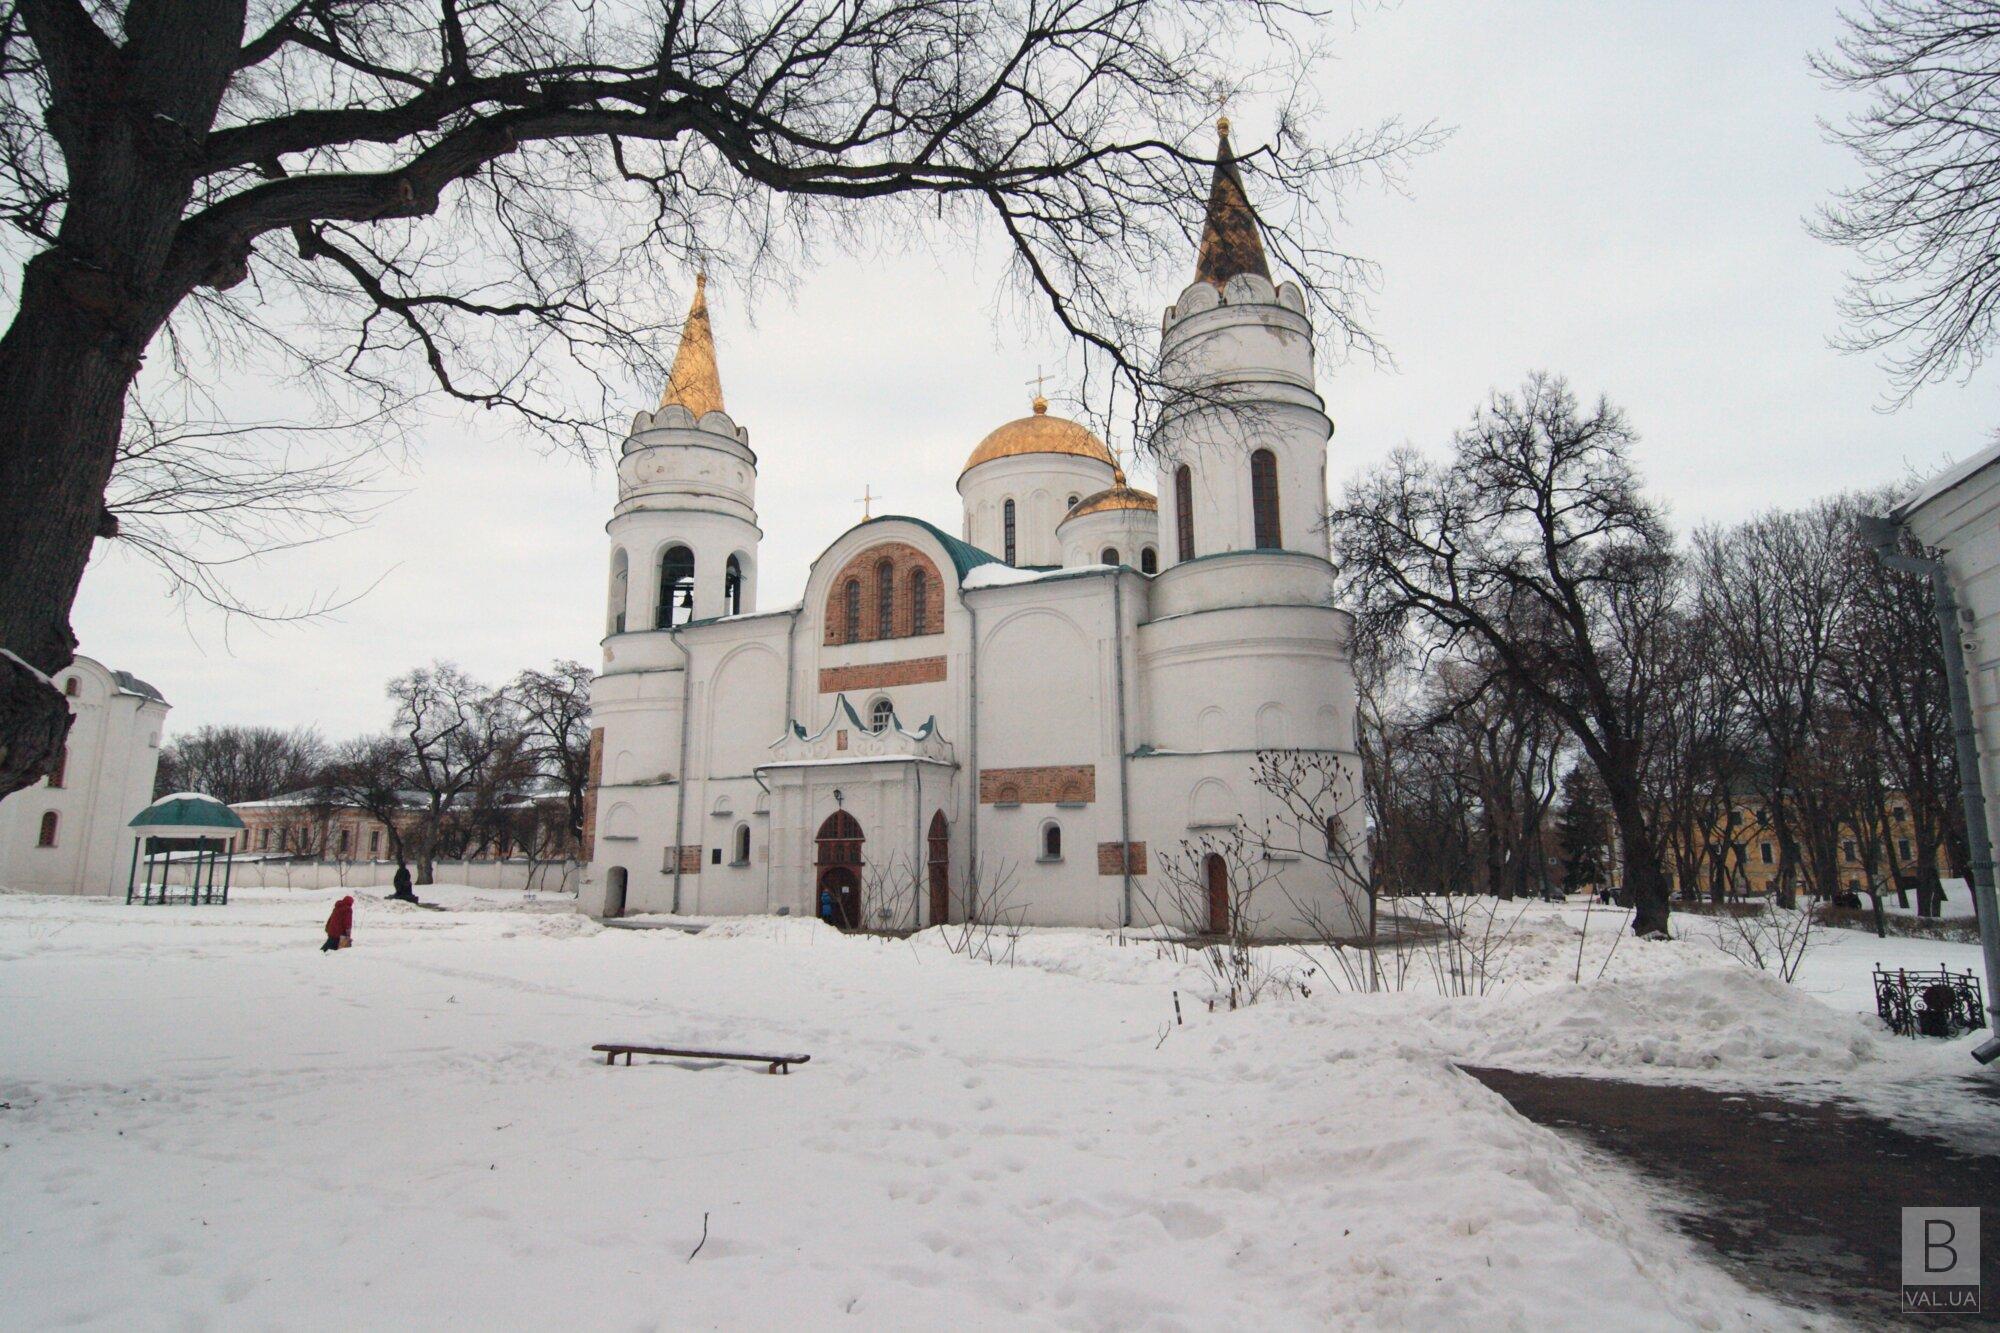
(209, 1123)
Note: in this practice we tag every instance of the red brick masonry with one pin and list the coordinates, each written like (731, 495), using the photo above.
(881, 675)
(863, 570)
(1038, 786)
(1107, 858)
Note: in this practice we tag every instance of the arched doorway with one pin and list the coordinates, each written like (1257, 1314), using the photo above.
(614, 892)
(940, 867)
(1216, 871)
(838, 868)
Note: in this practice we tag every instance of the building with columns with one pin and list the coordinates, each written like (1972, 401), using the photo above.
(1029, 717)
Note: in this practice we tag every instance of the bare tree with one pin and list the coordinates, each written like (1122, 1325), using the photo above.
(372, 774)
(1533, 554)
(237, 763)
(455, 733)
(483, 200)
(1926, 220)
(555, 714)
(1774, 590)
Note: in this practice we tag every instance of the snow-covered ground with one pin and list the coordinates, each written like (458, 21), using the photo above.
(208, 1123)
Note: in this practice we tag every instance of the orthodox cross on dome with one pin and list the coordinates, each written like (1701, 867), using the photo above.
(867, 501)
(1041, 401)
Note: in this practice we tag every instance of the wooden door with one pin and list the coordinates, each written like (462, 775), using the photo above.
(1218, 894)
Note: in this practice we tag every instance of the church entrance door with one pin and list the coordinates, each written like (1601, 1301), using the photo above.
(839, 868)
(614, 892)
(940, 868)
(1217, 872)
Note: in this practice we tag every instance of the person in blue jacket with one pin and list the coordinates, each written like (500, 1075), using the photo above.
(826, 905)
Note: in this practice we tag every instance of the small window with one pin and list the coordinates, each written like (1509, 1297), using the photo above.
(880, 715)
(920, 596)
(1899, 814)
(1847, 850)
(853, 609)
(344, 835)
(1052, 841)
(742, 857)
(1009, 795)
(1007, 531)
(1108, 556)
(47, 838)
(374, 841)
(264, 839)
(1072, 501)
(61, 770)
(69, 687)
(1764, 851)
(1903, 848)
(715, 856)
(1149, 561)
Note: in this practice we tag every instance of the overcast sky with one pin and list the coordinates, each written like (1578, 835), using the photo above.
(1622, 201)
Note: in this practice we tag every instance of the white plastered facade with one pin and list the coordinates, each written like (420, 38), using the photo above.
(1120, 708)
(107, 776)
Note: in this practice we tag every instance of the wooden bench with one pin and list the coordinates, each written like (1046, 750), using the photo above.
(780, 1064)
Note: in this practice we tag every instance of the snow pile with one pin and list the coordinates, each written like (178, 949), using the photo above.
(774, 929)
(1720, 1018)
(997, 575)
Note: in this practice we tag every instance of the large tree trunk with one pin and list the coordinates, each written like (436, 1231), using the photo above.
(63, 376)
(1646, 882)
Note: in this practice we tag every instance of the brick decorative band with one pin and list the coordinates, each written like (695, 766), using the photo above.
(1038, 786)
(690, 860)
(881, 675)
(1107, 858)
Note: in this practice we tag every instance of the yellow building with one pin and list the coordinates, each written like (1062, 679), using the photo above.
(1752, 855)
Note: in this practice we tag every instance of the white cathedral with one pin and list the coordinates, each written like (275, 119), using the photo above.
(1026, 720)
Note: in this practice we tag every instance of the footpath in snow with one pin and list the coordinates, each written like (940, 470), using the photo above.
(208, 1123)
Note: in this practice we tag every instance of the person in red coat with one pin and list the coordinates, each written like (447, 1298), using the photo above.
(339, 926)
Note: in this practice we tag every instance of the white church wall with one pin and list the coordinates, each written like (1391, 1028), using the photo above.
(113, 755)
(1040, 486)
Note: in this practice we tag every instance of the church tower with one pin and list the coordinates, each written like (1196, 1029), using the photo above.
(1243, 452)
(684, 534)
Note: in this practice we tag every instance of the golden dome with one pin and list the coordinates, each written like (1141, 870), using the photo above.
(1038, 434)
(1117, 496)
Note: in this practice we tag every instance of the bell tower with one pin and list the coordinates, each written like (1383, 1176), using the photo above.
(1243, 448)
(684, 533)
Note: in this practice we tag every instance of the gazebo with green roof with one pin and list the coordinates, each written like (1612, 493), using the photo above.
(184, 822)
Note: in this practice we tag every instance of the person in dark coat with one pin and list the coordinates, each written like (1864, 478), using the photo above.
(339, 925)
(403, 889)
(826, 905)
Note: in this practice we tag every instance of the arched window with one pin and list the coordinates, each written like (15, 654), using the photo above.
(742, 854)
(621, 572)
(1149, 560)
(57, 774)
(676, 588)
(1072, 501)
(70, 687)
(1052, 841)
(885, 600)
(1184, 510)
(732, 587)
(853, 609)
(1109, 556)
(1264, 500)
(920, 594)
(880, 715)
(1007, 531)
(48, 833)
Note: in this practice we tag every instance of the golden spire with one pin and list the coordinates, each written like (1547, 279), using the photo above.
(1230, 243)
(693, 382)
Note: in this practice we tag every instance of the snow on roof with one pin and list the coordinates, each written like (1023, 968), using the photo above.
(188, 796)
(1949, 479)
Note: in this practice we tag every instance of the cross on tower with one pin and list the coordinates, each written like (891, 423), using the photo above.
(1037, 382)
(867, 501)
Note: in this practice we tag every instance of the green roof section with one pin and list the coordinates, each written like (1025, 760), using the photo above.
(965, 557)
(187, 810)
